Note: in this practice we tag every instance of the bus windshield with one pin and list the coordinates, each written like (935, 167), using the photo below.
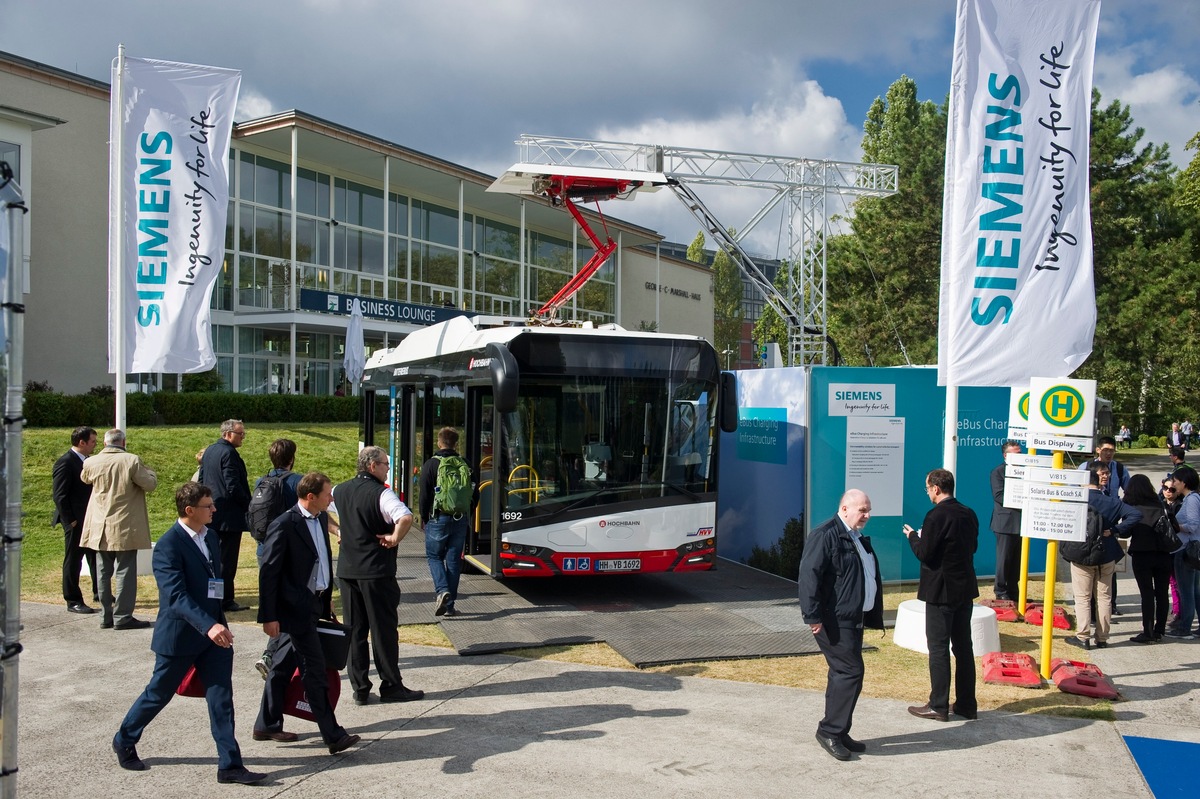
(588, 441)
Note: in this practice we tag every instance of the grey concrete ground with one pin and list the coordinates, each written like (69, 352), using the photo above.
(502, 726)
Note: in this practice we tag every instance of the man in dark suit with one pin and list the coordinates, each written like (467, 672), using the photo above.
(71, 496)
(223, 470)
(295, 583)
(190, 631)
(946, 545)
(1176, 438)
(840, 593)
(1006, 524)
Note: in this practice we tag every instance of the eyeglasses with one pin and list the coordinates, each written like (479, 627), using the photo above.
(1107, 451)
(1168, 489)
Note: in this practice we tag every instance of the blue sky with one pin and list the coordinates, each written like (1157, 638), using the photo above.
(461, 79)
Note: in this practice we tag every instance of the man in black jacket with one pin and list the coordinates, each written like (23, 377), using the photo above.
(295, 590)
(224, 472)
(946, 545)
(373, 521)
(1006, 524)
(71, 497)
(840, 592)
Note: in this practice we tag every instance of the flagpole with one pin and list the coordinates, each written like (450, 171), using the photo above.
(116, 265)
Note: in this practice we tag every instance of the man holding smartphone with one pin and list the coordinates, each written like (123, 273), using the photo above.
(946, 545)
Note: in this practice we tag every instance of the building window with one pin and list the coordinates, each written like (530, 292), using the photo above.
(12, 154)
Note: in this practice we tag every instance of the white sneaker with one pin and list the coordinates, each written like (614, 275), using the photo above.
(443, 601)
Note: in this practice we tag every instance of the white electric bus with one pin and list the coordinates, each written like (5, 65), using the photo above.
(595, 448)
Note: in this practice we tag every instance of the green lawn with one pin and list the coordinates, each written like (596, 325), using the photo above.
(171, 453)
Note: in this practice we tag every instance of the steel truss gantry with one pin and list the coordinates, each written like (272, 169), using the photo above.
(802, 185)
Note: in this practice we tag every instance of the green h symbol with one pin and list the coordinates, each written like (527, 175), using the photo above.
(1062, 405)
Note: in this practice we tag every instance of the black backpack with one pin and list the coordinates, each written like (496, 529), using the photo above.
(1090, 551)
(266, 505)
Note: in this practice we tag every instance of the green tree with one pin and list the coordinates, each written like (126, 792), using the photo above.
(1189, 179)
(728, 311)
(695, 250)
(1143, 353)
(770, 327)
(883, 277)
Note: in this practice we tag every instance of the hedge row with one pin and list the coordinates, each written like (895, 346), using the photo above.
(49, 409)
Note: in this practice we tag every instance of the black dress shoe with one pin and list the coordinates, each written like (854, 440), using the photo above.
(342, 744)
(852, 745)
(127, 757)
(401, 694)
(972, 716)
(362, 697)
(106, 624)
(131, 624)
(277, 735)
(239, 775)
(233, 607)
(833, 746)
(79, 607)
(926, 712)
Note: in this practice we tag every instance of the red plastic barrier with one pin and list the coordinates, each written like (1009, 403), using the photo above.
(1006, 609)
(1084, 679)
(1034, 615)
(1011, 668)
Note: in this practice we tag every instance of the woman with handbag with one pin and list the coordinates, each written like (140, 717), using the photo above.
(1185, 482)
(1171, 500)
(1151, 542)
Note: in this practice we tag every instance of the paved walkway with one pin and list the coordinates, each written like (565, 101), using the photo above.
(501, 726)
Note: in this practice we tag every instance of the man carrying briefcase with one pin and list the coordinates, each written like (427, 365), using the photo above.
(294, 584)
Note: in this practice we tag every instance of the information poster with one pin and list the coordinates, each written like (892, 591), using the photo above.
(875, 461)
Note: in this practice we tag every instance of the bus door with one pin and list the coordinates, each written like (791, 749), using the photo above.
(482, 433)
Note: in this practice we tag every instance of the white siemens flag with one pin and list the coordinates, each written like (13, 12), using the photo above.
(1017, 297)
(169, 194)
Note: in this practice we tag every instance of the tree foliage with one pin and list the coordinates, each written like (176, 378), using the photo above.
(882, 284)
(728, 311)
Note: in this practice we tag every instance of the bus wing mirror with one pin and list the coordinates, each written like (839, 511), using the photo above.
(728, 402)
(506, 378)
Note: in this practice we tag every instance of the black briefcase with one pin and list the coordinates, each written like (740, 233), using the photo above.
(335, 643)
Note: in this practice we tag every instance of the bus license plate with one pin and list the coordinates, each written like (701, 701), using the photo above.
(622, 565)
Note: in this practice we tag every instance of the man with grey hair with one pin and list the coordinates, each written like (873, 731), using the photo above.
(117, 525)
(224, 472)
(373, 522)
(840, 593)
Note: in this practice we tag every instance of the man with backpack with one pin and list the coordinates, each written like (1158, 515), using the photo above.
(1118, 480)
(274, 493)
(447, 494)
(1094, 559)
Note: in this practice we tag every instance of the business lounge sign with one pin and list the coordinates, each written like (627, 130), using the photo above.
(374, 308)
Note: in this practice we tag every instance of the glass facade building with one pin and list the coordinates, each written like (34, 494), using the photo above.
(315, 208)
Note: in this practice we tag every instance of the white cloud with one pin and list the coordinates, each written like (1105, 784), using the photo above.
(796, 120)
(253, 104)
(1165, 101)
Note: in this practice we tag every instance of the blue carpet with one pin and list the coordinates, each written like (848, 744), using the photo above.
(1168, 766)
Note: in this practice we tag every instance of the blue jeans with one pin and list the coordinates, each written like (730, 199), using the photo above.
(1188, 581)
(445, 538)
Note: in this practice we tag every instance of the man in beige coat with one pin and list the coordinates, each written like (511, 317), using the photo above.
(117, 525)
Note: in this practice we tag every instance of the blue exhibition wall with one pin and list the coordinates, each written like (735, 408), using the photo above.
(880, 429)
(762, 466)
